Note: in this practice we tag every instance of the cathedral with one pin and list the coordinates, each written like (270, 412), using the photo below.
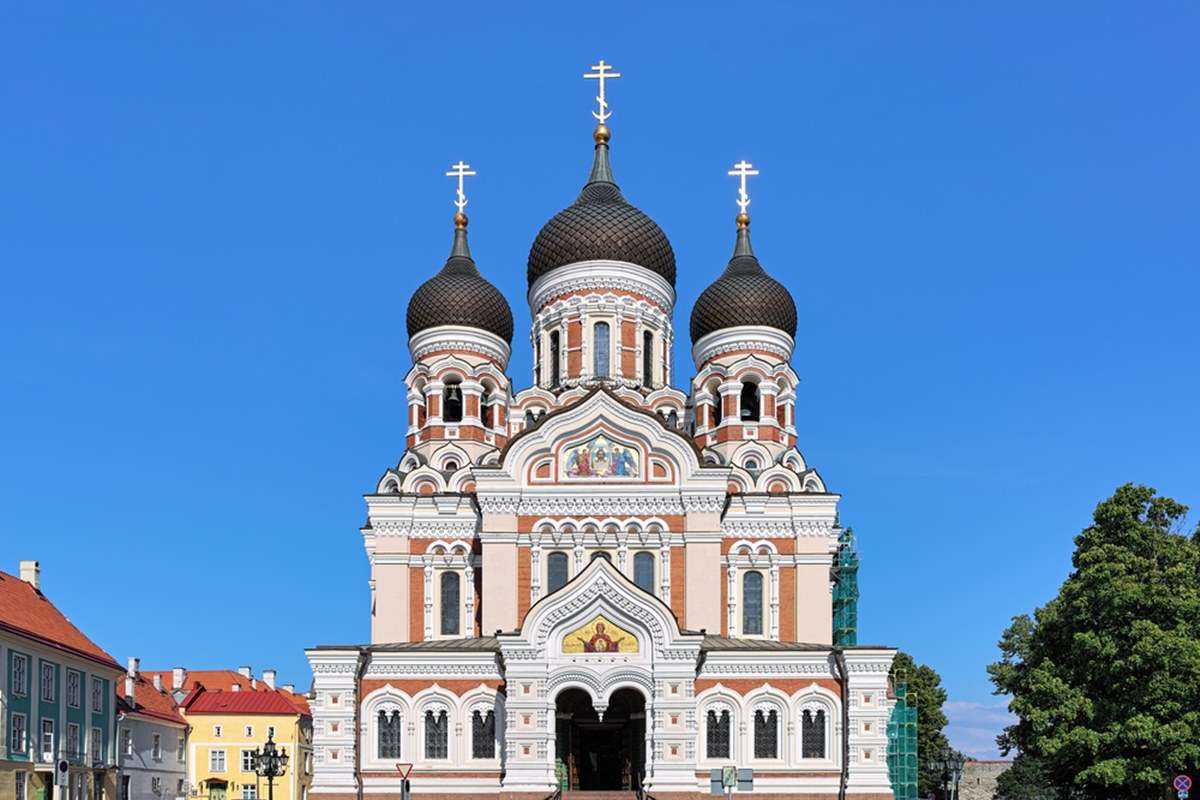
(599, 582)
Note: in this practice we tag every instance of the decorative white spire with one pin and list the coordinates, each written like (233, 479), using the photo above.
(460, 171)
(743, 169)
(602, 73)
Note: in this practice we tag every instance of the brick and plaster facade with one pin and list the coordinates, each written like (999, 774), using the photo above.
(600, 582)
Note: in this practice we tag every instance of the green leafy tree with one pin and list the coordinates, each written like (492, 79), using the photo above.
(1105, 678)
(1025, 780)
(931, 720)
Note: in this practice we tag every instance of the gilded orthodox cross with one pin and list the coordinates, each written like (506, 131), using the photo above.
(460, 171)
(602, 73)
(743, 169)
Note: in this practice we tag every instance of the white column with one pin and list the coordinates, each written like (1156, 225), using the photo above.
(774, 598)
(428, 598)
(732, 604)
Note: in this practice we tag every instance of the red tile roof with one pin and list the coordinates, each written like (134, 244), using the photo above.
(223, 680)
(25, 611)
(265, 702)
(148, 701)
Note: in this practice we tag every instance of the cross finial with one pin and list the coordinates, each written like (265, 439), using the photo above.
(602, 72)
(743, 169)
(460, 171)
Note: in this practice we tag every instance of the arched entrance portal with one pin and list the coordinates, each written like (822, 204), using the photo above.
(601, 752)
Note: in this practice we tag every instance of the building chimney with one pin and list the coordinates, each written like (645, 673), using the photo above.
(254, 683)
(269, 678)
(237, 687)
(178, 676)
(31, 573)
(244, 672)
(158, 681)
(290, 688)
(134, 663)
(129, 686)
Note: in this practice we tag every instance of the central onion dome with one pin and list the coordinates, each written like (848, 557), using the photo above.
(601, 225)
(459, 295)
(744, 294)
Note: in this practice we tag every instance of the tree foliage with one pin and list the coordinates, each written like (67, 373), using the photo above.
(1105, 678)
(1025, 780)
(931, 720)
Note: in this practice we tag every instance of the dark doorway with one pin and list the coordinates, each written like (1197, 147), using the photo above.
(601, 754)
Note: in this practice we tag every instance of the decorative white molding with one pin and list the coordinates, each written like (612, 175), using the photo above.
(458, 337)
(601, 274)
(744, 337)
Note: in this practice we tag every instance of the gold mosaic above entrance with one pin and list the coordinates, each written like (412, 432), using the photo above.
(600, 636)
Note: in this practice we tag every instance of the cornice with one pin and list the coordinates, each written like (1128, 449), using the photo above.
(601, 274)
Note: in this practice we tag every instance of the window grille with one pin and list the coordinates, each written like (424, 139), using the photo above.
(389, 734)
(483, 734)
(812, 734)
(766, 733)
(436, 735)
(556, 571)
(643, 571)
(718, 734)
(600, 342)
(752, 603)
(450, 604)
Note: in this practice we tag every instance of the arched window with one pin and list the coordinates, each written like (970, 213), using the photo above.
(452, 402)
(437, 729)
(601, 554)
(812, 733)
(752, 603)
(389, 734)
(556, 571)
(673, 419)
(717, 729)
(749, 404)
(643, 571)
(485, 411)
(647, 358)
(766, 733)
(529, 418)
(555, 352)
(483, 734)
(451, 609)
(751, 464)
(600, 346)
(451, 465)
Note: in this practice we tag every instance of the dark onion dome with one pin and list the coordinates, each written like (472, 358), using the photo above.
(601, 224)
(744, 294)
(459, 295)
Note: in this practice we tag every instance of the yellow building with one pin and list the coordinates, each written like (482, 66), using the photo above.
(230, 714)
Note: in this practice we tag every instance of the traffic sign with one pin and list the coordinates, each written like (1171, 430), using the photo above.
(62, 773)
(1182, 783)
(404, 769)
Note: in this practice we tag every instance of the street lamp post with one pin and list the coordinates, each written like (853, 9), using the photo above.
(269, 763)
(949, 764)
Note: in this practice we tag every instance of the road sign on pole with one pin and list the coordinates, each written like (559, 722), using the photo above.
(405, 785)
(404, 769)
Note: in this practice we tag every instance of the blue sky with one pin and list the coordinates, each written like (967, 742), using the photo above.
(212, 218)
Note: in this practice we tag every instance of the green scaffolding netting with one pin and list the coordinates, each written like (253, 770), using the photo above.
(845, 591)
(902, 744)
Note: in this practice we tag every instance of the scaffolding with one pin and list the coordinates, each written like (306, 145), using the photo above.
(845, 591)
(902, 742)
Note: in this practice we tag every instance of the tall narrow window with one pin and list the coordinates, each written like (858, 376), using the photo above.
(485, 411)
(389, 734)
(556, 572)
(812, 734)
(452, 403)
(647, 358)
(555, 353)
(752, 603)
(451, 610)
(750, 401)
(766, 733)
(436, 734)
(600, 344)
(718, 734)
(483, 734)
(643, 571)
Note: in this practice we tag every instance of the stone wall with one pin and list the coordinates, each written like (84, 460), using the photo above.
(979, 779)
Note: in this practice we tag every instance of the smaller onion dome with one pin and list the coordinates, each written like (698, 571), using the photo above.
(744, 294)
(601, 225)
(459, 295)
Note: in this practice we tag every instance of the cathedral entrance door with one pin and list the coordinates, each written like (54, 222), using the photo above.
(601, 754)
